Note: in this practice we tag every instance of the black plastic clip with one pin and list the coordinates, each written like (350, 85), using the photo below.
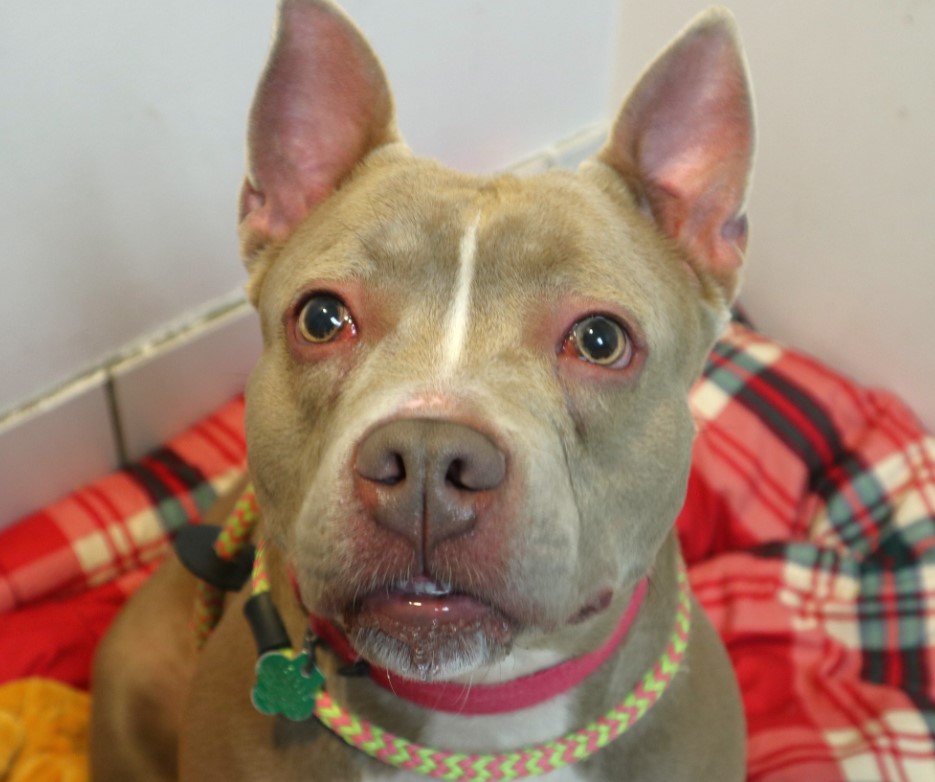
(194, 545)
(269, 632)
(355, 670)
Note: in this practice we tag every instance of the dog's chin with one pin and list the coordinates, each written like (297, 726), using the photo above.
(428, 638)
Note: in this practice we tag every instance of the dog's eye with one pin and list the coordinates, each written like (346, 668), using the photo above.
(323, 318)
(600, 340)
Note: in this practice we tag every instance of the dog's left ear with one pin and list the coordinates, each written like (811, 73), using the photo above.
(683, 142)
(322, 104)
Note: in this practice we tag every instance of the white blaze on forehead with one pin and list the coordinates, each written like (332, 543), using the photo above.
(459, 312)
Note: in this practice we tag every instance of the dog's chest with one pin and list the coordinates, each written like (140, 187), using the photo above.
(507, 733)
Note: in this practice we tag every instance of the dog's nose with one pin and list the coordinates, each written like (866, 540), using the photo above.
(427, 480)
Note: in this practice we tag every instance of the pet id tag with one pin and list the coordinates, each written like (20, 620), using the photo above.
(287, 684)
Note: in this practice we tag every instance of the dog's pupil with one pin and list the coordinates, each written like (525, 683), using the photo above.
(324, 316)
(599, 339)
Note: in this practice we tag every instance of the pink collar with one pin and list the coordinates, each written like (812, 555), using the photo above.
(477, 699)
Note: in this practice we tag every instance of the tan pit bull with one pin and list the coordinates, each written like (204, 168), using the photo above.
(469, 437)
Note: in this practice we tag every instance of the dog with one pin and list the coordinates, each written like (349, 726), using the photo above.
(469, 438)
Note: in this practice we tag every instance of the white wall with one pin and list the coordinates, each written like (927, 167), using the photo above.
(121, 136)
(121, 155)
(842, 256)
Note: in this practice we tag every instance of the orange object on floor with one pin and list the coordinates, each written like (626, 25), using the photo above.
(43, 732)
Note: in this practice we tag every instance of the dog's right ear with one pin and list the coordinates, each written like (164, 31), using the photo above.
(322, 104)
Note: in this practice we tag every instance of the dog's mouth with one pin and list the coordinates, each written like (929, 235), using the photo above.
(424, 629)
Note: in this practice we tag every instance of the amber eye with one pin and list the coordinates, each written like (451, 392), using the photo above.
(323, 318)
(600, 340)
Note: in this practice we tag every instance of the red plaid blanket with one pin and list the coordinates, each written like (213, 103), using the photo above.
(809, 530)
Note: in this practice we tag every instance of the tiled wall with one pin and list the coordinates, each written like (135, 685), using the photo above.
(121, 410)
(132, 402)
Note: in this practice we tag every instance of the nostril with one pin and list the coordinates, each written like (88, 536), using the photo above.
(455, 475)
(480, 469)
(395, 471)
(423, 457)
(388, 468)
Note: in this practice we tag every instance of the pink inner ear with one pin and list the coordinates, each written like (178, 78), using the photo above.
(685, 137)
(322, 104)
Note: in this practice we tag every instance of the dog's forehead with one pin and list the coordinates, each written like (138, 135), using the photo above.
(413, 225)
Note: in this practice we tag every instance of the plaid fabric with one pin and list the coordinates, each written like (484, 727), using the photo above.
(119, 524)
(809, 530)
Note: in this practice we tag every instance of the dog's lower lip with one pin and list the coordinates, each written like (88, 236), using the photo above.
(427, 636)
(409, 608)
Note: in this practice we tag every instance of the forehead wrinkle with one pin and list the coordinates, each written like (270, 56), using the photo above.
(397, 235)
(407, 208)
(337, 256)
(534, 249)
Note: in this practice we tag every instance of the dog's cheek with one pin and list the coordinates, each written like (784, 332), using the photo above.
(537, 545)
(633, 451)
(336, 546)
(285, 408)
(545, 541)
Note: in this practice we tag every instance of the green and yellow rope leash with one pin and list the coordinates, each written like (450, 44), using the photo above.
(229, 544)
(291, 685)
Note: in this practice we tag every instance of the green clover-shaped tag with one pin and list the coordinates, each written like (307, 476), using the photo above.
(286, 684)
